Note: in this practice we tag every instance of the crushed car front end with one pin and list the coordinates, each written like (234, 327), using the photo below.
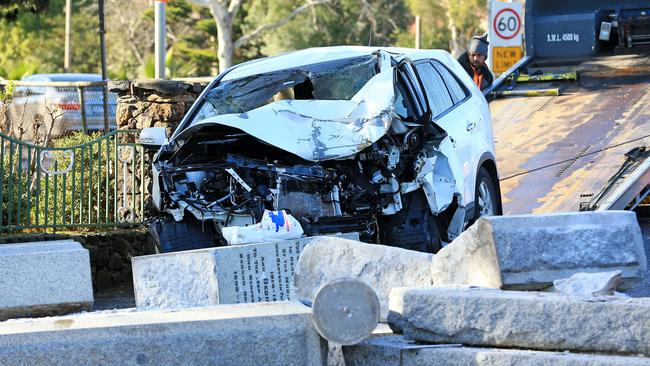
(320, 143)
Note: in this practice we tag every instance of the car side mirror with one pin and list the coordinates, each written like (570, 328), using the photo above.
(153, 137)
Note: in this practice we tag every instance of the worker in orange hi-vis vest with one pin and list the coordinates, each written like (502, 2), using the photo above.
(473, 61)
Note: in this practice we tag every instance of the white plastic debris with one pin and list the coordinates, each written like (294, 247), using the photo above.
(274, 226)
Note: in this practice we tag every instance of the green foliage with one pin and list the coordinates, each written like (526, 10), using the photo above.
(433, 26)
(9, 9)
(34, 42)
(14, 182)
(195, 49)
(149, 66)
(7, 92)
(45, 199)
(347, 22)
(88, 177)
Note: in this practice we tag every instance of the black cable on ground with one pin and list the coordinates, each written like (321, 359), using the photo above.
(574, 158)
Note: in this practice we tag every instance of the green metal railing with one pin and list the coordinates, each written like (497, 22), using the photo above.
(96, 184)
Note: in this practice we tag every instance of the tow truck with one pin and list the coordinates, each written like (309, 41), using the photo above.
(579, 140)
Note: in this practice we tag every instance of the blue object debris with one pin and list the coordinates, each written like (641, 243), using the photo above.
(277, 218)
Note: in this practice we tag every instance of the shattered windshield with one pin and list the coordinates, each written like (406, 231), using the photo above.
(334, 80)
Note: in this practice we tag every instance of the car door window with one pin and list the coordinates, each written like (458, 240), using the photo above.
(458, 93)
(404, 106)
(401, 106)
(435, 89)
(406, 76)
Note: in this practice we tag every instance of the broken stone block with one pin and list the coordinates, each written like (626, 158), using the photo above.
(529, 252)
(44, 278)
(225, 275)
(588, 284)
(530, 320)
(381, 267)
(278, 333)
(394, 350)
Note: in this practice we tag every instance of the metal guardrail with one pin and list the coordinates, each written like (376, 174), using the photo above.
(96, 184)
(58, 107)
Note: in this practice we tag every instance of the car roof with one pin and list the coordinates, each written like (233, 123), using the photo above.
(64, 77)
(316, 55)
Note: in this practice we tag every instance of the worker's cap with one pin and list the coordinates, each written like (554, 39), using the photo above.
(479, 44)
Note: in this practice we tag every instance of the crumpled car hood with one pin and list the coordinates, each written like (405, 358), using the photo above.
(318, 130)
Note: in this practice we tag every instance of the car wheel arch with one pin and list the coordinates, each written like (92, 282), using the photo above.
(488, 162)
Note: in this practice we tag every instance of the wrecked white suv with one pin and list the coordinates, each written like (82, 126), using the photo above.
(395, 144)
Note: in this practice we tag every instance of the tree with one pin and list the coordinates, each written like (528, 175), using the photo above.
(33, 42)
(339, 22)
(433, 26)
(9, 9)
(464, 20)
(224, 13)
(129, 36)
(446, 24)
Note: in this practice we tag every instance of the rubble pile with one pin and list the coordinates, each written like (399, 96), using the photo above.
(519, 290)
(469, 317)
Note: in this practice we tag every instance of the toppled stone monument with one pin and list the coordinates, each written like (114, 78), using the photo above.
(528, 320)
(529, 252)
(224, 275)
(393, 350)
(381, 267)
(277, 334)
(44, 278)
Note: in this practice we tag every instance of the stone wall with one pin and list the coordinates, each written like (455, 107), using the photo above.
(154, 103)
(110, 252)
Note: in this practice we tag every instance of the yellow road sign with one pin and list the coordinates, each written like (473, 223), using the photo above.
(504, 57)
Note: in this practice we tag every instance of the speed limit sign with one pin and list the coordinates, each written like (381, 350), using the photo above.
(505, 34)
(507, 24)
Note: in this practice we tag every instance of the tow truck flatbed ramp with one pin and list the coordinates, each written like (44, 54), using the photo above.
(557, 152)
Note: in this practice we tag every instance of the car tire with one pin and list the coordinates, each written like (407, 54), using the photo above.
(486, 200)
(414, 227)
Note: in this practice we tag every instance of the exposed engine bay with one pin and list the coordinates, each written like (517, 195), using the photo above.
(350, 161)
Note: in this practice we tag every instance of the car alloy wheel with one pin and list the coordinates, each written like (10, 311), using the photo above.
(486, 198)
